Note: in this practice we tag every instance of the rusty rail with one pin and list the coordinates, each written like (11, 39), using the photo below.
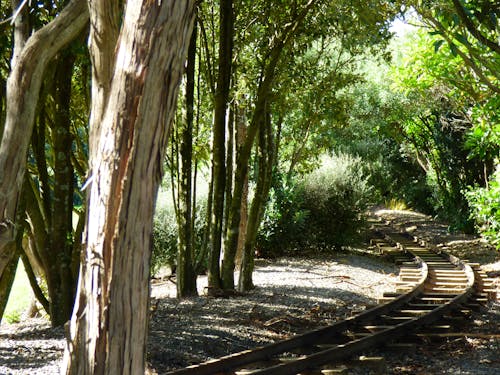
(433, 284)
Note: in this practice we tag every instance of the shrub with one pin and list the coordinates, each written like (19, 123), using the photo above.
(165, 232)
(335, 195)
(322, 210)
(485, 208)
(283, 222)
(164, 237)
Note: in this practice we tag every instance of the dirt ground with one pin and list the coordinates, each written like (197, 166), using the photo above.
(292, 295)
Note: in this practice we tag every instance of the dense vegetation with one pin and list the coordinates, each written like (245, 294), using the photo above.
(403, 129)
(293, 117)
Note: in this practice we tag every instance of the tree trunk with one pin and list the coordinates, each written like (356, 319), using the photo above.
(241, 172)
(23, 87)
(109, 325)
(263, 93)
(265, 167)
(186, 276)
(7, 278)
(240, 139)
(230, 146)
(226, 34)
(50, 198)
(60, 278)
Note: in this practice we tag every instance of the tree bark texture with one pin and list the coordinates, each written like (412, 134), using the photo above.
(241, 134)
(7, 278)
(241, 170)
(226, 35)
(266, 159)
(108, 329)
(186, 276)
(23, 87)
(62, 285)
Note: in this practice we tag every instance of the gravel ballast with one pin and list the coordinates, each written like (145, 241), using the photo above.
(292, 295)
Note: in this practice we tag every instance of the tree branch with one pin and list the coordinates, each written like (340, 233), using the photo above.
(473, 29)
(470, 62)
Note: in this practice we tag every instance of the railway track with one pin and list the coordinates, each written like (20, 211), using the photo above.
(432, 284)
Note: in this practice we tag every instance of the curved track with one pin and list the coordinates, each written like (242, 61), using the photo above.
(432, 284)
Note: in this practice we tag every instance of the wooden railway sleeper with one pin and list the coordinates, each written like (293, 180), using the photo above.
(398, 314)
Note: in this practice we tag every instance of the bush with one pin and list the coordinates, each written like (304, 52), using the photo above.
(164, 237)
(165, 232)
(485, 209)
(335, 196)
(322, 210)
(283, 222)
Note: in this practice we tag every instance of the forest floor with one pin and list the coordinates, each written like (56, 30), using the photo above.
(292, 295)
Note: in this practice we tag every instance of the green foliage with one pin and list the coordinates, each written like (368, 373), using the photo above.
(447, 125)
(485, 208)
(20, 297)
(374, 133)
(165, 232)
(468, 31)
(335, 196)
(164, 238)
(283, 223)
(321, 211)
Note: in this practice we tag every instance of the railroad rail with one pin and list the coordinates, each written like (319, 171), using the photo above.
(432, 284)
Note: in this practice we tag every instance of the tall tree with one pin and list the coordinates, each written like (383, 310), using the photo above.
(50, 196)
(133, 104)
(265, 164)
(30, 58)
(226, 36)
(280, 40)
(186, 275)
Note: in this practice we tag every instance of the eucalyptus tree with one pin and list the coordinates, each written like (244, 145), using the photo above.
(33, 49)
(137, 55)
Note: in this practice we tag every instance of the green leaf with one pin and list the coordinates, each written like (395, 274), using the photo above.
(493, 21)
(438, 44)
(453, 49)
(462, 39)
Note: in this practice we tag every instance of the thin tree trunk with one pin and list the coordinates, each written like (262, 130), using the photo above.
(109, 325)
(263, 92)
(62, 287)
(186, 276)
(265, 163)
(37, 291)
(23, 87)
(7, 278)
(241, 172)
(230, 142)
(226, 35)
(240, 139)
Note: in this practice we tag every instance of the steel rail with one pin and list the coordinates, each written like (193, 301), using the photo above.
(328, 335)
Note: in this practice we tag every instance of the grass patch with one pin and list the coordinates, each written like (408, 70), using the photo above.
(396, 204)
(20, 297)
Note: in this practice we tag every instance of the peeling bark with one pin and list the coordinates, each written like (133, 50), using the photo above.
(23, 86)
(108, 329)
